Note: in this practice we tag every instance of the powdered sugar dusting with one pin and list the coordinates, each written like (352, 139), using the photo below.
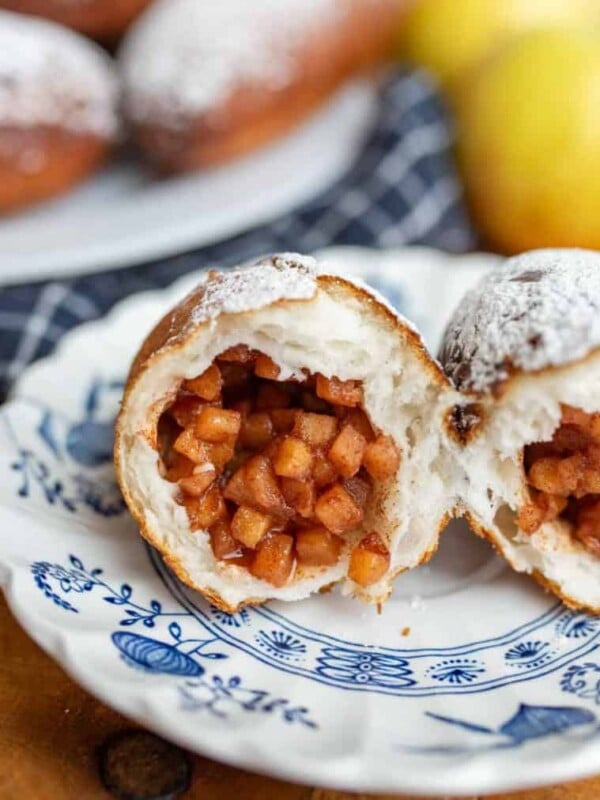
(287, 276)
(51, 76)
(184, 57)
(538, 310)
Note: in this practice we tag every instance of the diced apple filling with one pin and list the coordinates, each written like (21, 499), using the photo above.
(278, 472)
(370, 560)
(318, 546)
(563, 476)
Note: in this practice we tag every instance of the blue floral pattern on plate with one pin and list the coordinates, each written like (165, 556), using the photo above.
(179, 656)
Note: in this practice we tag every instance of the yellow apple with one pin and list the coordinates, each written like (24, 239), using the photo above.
(450, 36)
(528, 141)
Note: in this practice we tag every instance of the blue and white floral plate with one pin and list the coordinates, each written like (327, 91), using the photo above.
(471, 680)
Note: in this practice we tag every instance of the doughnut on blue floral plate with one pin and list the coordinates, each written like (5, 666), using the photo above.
(470, 680)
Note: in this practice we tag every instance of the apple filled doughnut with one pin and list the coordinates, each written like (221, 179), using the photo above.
(280, 432)
(105, 20)
(58, 109)
(524, 347)
(208, 82)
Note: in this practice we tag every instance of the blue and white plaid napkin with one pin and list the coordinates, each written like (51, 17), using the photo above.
(402, 190)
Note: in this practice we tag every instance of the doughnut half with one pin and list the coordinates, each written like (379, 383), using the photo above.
(524, 348)
(304, 322)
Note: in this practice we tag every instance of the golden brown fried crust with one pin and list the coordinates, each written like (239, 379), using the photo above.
(65, 158)
(546, 583)
(254, 115)
(100, 19)
(174, 328)
(174, 331)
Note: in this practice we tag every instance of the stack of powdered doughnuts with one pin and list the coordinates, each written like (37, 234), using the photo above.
(194, 83)
(284, 429)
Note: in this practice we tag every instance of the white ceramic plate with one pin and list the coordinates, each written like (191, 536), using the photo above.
(472, 680)
(122, 216)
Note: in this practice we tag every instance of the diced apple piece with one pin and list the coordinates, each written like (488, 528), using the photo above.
(283, 419)
(249, 526)
(177, 467)
(317, 430)
(293, 459)
(530, 517)
(569, 438)
(185, 410)
(239, 353)
(263, 487)
(346, 452)
(273, 395)
(337, 510)
(382, 458)
(206, 510)
(554, 475)
(265, 367)
(274, 559)
(208, 385)
(254, 484)
(543, 508)
(224, 546)
(217, 424)
(589, 483)
(190, 446)
(220, 454)
(256, 430)
(236, 489)
(199, 481)
(318, 547)
(360, 422)
(323, 471)
(300, 495)
(369, 561)
(341, 393)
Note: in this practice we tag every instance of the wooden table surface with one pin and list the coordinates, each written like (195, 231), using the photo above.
(52, 733)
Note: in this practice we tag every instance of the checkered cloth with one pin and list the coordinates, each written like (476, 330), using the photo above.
(402, 189)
